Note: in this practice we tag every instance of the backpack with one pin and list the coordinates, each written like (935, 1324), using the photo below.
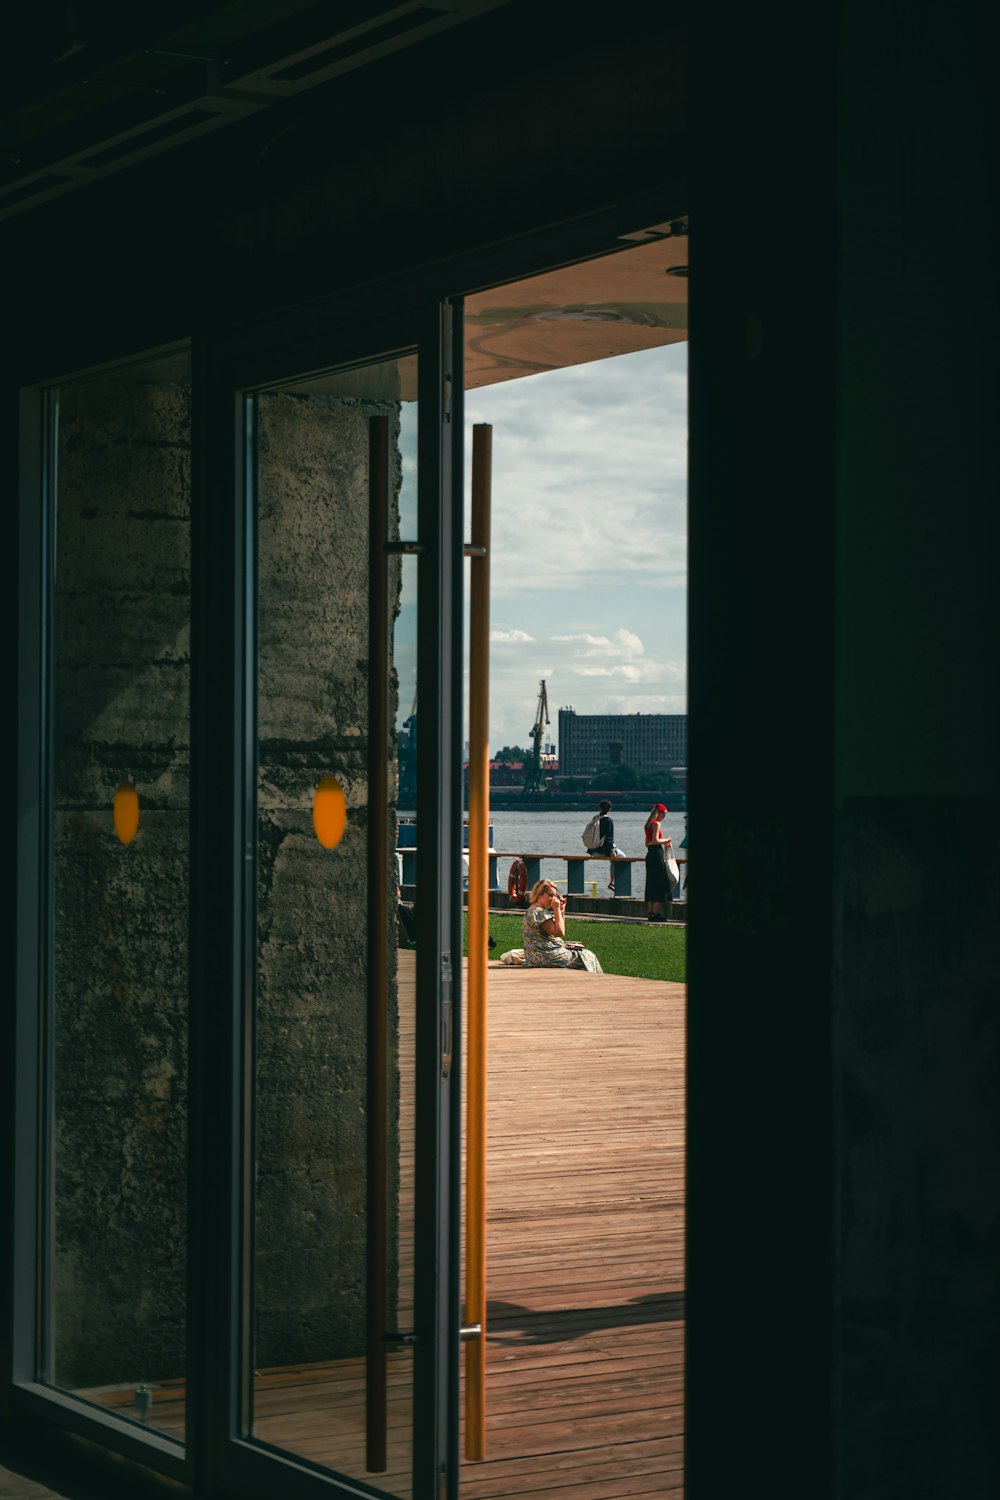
(591, 835)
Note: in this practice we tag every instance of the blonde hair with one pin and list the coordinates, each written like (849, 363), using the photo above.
(537, 889)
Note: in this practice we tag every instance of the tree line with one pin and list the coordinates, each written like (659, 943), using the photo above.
(619, 778)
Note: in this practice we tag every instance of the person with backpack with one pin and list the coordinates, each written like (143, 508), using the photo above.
(599, 838)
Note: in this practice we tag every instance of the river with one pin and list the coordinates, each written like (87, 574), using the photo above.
(544, 832)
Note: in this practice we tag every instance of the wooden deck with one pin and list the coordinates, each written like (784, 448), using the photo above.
(586, 1274)
(585, 1214)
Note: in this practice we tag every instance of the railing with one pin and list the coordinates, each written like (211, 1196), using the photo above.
(576, 869)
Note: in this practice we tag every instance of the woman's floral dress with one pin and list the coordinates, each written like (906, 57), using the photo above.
(542, 950)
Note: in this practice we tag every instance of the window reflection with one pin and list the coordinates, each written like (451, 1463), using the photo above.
(328, 1223)
(118, 817)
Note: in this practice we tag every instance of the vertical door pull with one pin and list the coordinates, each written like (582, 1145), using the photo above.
(479, 818)
(376, 1382)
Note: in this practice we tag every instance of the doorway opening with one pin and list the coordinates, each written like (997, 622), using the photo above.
(340, 504)
(581, 373)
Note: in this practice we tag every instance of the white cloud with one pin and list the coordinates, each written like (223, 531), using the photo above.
(622, 643)
(589, 545)
(589, 474)
(647, 671)
(647, 703)
(594, 674)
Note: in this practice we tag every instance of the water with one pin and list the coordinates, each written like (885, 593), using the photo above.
(519, 833)
(542, 832)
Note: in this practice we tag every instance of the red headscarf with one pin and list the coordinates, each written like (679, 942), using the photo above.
(657, 807)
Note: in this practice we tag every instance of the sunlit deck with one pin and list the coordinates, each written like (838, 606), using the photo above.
(585, 1213)
(586, 1274)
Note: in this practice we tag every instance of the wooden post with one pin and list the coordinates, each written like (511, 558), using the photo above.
(479, 818)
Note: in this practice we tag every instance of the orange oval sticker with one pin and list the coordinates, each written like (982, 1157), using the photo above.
(126, 812)
(329, 812)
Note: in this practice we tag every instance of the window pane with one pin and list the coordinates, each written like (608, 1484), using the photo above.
(118, 817)
(320, 960)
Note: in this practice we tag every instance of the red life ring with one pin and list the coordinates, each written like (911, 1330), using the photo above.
(517, 883)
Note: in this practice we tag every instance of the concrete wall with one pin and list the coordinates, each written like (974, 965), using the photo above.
(120, 976)
(313, 927)
(120, 937)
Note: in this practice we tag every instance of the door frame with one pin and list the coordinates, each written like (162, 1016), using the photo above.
(422, 308)
(223, 735)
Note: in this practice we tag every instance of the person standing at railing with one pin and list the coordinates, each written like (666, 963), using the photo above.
(658, 845)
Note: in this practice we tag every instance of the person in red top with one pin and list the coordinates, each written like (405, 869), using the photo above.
(657, 879)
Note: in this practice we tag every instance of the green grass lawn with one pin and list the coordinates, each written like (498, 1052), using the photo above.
(648, 951)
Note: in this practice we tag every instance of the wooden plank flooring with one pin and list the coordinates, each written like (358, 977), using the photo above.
(585, 1211)
(586, 1274)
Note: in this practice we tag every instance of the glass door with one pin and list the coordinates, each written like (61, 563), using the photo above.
(104, 879)
(347, 918)
(334, 469)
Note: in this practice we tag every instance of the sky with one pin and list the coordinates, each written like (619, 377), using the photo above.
(589, 544)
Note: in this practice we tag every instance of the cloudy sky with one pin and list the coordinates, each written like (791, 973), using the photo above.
(589, 556)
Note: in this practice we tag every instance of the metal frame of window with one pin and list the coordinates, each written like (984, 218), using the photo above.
(31, 1087)
(217, 1451)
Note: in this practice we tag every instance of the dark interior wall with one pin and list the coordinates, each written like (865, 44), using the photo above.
(516, 123)
(760, 1163)
(842, 1030)
(917, 770)
(917, 471)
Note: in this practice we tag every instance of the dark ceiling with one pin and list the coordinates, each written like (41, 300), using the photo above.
(99, 86)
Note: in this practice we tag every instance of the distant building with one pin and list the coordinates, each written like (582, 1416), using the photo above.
(507, 773)
(588, 743)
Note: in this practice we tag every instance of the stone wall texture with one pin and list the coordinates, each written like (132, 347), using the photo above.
(312, 903)
(120, 962)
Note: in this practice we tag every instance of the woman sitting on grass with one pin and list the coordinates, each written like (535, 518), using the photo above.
(544, 927)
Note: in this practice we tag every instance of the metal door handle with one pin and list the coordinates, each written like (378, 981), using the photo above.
(377, 1271)
(479, 817)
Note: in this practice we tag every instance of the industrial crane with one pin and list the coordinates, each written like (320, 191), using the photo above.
(407, 756)
(534, 781)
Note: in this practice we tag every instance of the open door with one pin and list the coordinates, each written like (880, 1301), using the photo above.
(344, 1344)
(574, 1284)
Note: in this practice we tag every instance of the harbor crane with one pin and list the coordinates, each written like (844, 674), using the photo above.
(534, 781)
(407, 758)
